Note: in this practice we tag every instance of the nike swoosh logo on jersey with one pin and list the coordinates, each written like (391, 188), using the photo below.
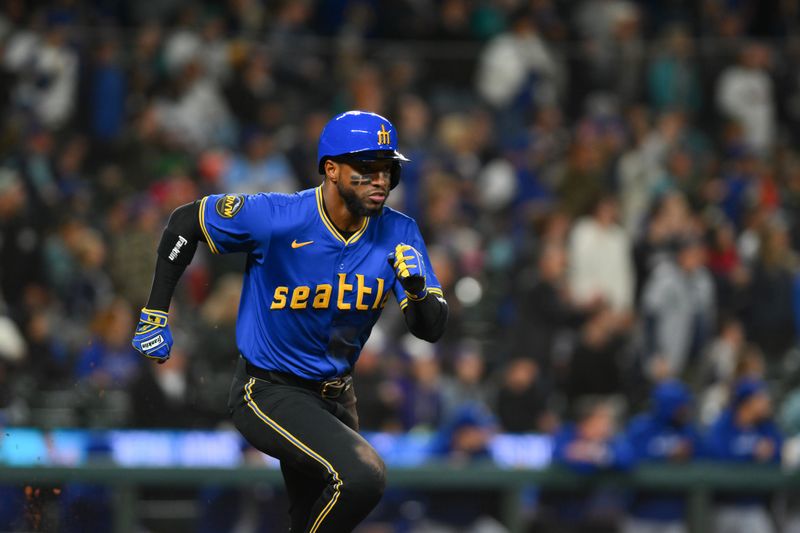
(296, 244)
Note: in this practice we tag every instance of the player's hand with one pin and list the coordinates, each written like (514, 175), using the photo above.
(153, 338)
(410, 270)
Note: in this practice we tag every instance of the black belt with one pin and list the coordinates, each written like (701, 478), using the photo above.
(331, 388)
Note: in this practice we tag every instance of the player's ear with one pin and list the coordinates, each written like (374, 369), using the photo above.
(331, 170)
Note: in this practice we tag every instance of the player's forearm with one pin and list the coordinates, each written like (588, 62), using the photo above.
(164, 282)
(427, 318)
(175, 252)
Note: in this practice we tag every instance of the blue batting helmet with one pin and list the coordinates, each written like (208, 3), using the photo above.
(363, 136)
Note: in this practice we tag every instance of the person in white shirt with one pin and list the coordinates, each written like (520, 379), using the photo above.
(600, 259)
(745, 94)
(512, 59)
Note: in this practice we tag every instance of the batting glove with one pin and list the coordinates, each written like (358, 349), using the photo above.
(410, 270)
(153, 338)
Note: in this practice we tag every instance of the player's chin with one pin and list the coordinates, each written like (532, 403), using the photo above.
(373, 211)
(373, 205)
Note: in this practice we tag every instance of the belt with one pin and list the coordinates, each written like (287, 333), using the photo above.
(331, 388)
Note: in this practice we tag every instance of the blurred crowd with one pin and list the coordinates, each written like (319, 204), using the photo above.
(609, 190)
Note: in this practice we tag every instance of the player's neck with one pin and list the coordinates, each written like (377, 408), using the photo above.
(337, 210)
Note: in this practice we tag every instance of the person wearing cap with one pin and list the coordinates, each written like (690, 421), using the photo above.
(589, 446)
(464, 438)
(664, 435)
(321, 265)
(745, 433)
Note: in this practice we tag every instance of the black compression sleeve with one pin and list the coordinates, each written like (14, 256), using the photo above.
(175, 252)
(164, 282)
(185, 221)
(427, 318)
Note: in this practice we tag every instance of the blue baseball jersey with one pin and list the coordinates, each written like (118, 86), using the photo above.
(310, 297)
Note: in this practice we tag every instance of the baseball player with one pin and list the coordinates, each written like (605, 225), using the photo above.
(321, 264)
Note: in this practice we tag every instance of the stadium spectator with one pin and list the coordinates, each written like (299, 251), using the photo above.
(196, 115)
(52, 366)
(109, 361)
(108, 91)
(422, 402)
(638, 171)
(538, 154)
(731, 277)
(588, 446)
(600, 259)
(745, 433)
(465, 434)
(665, 434)
(379, 397)
(516, 70)
(770, 314)
(679, 306)
(596, 365)
(521, 403)
(261, 169)
(463, 439)
(252, 83)
(20, 240)
(129, 241)
(166, 396)
(611, 71)
(582, 180)
(718, 368)
(548, 309)
(673, 80)
(745, 93)
(466, 386)
(47, 70)
(739, 177)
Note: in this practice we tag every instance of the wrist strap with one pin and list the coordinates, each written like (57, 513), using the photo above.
(153, 317)
(417, 297)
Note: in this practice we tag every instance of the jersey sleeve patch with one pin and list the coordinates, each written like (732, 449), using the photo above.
(236, 222)
(229, 205)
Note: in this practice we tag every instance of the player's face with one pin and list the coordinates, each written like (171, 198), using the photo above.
(364, 186)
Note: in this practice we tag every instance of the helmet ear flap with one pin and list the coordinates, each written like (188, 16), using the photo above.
(395, 174)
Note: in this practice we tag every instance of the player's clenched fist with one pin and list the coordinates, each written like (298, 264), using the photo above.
(153, 338)
(410, 270)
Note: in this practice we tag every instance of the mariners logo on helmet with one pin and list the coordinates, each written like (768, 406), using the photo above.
(383, 136)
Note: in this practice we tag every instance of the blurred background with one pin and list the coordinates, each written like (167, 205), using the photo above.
(609, 191)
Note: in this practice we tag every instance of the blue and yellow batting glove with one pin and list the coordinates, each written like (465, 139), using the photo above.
(153, 338)
(410, 270)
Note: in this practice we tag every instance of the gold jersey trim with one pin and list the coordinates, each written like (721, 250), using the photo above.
(332, 228)
(202, 217)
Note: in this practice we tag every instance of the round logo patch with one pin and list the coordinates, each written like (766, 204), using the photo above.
(230, 204)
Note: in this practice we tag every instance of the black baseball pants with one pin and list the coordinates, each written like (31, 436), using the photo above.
(333, 477)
